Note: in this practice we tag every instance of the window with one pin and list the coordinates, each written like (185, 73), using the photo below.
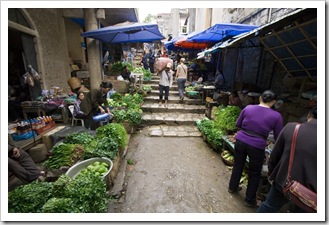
(184, 29)
(16, 16)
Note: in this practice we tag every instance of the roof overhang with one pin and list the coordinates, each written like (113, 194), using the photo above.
(292, 40)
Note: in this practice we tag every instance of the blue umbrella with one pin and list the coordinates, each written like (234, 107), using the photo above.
(220, 31)
(126, 33)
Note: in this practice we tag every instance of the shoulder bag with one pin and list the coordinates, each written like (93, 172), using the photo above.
(295, 191)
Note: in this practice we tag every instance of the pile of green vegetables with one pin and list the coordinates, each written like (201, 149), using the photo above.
(127, 108)
(214, 135)
(118, 66)
(147, 88)
(64, 154)
(146, 73)
(76, 146)
(225, 118)
(86, 193)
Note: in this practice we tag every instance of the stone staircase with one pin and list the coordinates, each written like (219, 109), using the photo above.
(178, 120)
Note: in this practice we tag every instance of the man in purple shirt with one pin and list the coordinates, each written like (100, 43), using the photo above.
(255, 123)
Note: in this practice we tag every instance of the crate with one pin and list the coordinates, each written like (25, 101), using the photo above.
(45, 128)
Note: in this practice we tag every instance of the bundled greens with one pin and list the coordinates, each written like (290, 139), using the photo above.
(213, 134)
(82, 138)
(115, 132)
(64, 155)
(84, 194)
(29, 198)
(118, 66)
(104, 147)
(225, 118)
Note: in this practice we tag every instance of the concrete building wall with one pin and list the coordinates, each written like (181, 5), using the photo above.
(217, 16)
(191, 20)
(73, 37)
(202, 19)
(253, 16)
(52, 46)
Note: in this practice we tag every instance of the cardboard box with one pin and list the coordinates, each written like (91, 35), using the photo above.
(45, 128)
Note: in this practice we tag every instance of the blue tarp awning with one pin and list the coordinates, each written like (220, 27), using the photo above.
(220, 31)
(126, 33)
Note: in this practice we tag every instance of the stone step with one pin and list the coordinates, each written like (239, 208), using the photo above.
(173, 131)
(177, 108)
(156, 93)
(174, 87)
(170, 118)
(173, 99)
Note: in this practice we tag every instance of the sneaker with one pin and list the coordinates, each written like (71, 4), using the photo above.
(233, 191)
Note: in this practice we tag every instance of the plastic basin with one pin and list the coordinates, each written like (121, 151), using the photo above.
(75, 169)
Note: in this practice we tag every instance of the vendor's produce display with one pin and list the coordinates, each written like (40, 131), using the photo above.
(227, 157)
(99, 166)
(29, 198)
(64, 154)
(114, 131)
(117, 67)
(225, 118)
(147, 88)
(146, 73)
(128, 109)
(84, 194)
(104, 147)
(212, 134)
(100, 169)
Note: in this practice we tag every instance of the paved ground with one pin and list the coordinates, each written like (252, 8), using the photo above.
(174, 175)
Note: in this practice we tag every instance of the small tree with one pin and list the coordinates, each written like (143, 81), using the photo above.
(149, 18)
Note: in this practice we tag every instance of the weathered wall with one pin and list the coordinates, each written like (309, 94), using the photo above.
(253, 16)
(203, 19)
(73, 37)
(53, 46)
(217, 16)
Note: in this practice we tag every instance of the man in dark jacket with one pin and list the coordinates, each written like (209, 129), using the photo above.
(99, 101)
(304, 168)
(21, 164)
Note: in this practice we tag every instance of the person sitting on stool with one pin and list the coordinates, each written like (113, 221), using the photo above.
(21, 164)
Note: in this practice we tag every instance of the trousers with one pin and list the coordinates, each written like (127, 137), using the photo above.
(181, 85)
(166, 90)
(23, 167)
(256, 158)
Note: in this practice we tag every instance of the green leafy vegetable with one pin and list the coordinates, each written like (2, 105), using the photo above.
(82, 138)
(29, 198)
(225, 118)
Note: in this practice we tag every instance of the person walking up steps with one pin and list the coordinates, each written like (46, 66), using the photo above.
(166, 79)
(181, 77)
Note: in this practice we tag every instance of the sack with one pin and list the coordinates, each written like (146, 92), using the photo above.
(301, 196)
(162, 63)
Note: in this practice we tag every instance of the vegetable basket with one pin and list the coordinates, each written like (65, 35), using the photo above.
(227, 162)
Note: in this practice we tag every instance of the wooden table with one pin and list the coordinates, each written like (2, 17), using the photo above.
(40, 111)
(33, 109)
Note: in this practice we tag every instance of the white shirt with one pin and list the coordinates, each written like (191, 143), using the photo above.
(166, 78)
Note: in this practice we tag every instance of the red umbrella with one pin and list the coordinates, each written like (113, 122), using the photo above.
(182, 43)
